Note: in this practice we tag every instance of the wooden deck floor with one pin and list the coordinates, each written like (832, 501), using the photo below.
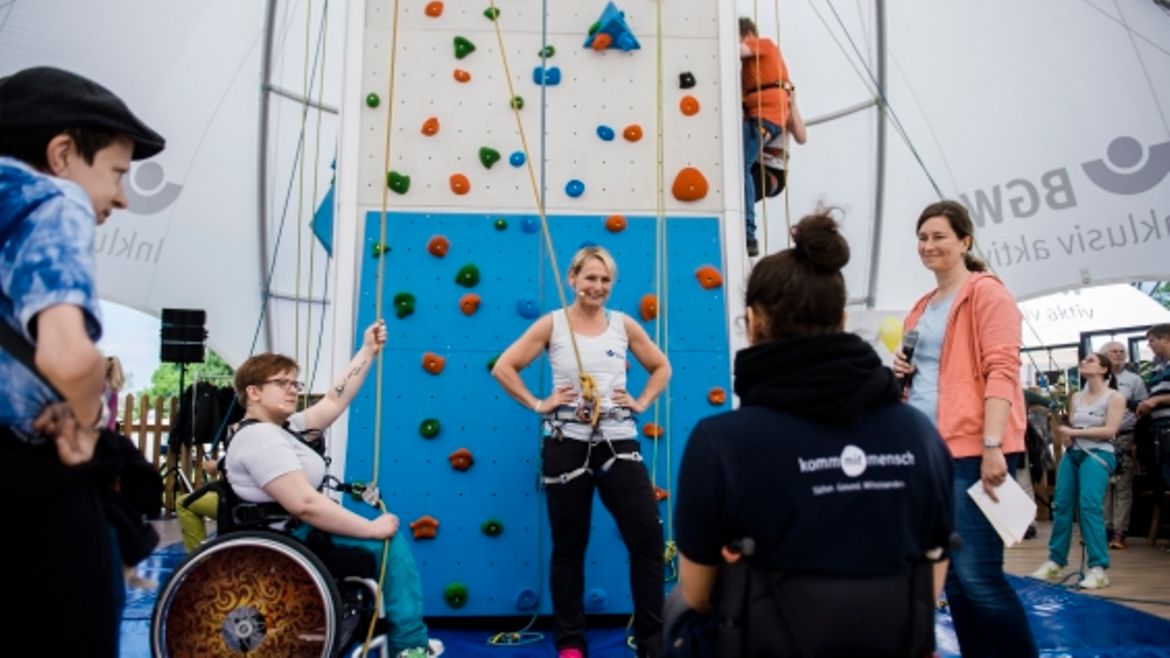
(1139, 575)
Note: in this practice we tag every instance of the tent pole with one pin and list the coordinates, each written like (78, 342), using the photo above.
(262, 168)
(880, 179)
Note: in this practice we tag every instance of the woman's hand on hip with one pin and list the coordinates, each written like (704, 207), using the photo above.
(560, 397)
(993, 471)
(622, 398)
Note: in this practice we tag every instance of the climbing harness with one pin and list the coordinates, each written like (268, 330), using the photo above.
(554, 430)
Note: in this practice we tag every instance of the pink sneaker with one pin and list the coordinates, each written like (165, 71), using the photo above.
(570, 653)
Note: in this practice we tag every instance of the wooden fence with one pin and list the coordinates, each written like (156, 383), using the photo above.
(148, 421)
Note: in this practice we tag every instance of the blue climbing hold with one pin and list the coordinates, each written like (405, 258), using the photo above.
(550, 76)
(597, 600)
(528, 309)
(605, 133)
(574, 188)
(517, 159)
(527, 599)
(530, 225)
(586, 243)
(613, 24)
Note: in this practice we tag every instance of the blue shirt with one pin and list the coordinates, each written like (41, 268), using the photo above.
(932, 330)
(46, 258)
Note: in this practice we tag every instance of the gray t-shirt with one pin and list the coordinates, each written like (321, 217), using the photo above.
(262, 452)
(1134, 389)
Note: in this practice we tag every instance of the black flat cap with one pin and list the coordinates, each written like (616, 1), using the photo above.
(45, 97)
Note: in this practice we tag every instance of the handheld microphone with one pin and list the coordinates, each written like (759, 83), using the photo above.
(909, 342)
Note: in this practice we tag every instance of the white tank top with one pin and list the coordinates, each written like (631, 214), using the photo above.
(604, 357)
(1088, 416)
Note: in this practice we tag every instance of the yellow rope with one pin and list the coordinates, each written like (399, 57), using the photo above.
(589, 389)
(311, 375)
(381, 582)
(301, 187)
(381, 284)
(784, 131)
(759, 128)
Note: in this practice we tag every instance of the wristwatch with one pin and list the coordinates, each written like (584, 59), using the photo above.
(992, 442)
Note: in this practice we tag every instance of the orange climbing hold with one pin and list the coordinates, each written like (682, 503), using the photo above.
(717, 396)
(648, 308)
(661, 494)
(425, 527)
(689, 185)
(689, 105)
(461, 459)
(430, 127)
(460, 184)
(632, 133)
(438, 246)
(434, 9)
(652, 430)
(462, 76)
(615, 223)
(601, 41)
(433, 363)
(469, 303)
(709, 277)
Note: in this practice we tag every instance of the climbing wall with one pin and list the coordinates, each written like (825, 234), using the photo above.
(465, 269)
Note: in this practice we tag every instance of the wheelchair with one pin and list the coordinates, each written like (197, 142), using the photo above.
(262, 592)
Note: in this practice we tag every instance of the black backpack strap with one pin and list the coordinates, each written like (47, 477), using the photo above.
(18, 346)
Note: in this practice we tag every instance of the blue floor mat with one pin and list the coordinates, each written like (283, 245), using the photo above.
(1066, 625)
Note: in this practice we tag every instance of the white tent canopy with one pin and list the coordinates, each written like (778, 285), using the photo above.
(1060, 318)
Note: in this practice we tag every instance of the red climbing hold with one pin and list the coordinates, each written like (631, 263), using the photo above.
(461, 459)
(438, 246)
(648, 308)
(709, 277)
(430, 127)
(689, 185)
(652, 430)
(459, 184)
(433, 363)
(661, 494)
(632, 133)
(615, 223)
(434, 9)
(425, 527)
(689, 105)
(601, 41)
(462, 76)
(469, 303)
(717, 396)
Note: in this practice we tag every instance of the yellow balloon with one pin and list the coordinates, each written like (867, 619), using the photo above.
(890, 333)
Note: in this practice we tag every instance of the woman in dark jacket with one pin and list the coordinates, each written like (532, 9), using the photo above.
(821, 471)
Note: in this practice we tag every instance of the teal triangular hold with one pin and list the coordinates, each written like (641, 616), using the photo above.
(613, 23)
(323, 219)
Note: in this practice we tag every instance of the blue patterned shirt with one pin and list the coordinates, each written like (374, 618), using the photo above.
(46, 258)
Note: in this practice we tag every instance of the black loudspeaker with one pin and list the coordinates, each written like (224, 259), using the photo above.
(183, 335)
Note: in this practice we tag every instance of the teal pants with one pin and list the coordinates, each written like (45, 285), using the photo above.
(401, 592)
(1081, 479)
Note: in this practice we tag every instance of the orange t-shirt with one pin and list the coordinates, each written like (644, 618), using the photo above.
(770, 103)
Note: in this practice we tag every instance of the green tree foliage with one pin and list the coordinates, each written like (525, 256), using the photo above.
(1162, 293)
(165, 380)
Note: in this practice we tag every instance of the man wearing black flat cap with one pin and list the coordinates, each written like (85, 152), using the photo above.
(65, 144)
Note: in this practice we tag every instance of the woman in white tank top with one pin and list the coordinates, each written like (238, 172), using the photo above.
(1095, 414)
(592, 444)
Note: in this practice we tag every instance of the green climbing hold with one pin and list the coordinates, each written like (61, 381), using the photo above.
(488, 156)
(492, 527)
(492, 13)
(372, 100)
(491, 364)
(463, 47)
(379, 248)
(500, 224)
(455, 594)
(517, 102)
(467, 276)
(429, 428)
(403, 304)
(398, 182)
(547, 51)
(594, 28)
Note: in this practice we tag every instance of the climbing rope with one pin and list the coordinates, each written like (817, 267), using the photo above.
(784, 131)
(759, 127)
(589, 389)
(310, 374)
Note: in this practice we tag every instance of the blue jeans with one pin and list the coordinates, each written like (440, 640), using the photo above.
(401, 593)
(752, 145)
(989, 619)
(1080, 485)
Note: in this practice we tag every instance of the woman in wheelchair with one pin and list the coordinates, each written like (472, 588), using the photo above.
(814, 519)
(268, 462)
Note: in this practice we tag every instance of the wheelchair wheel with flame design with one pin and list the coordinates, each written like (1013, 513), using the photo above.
(258, 594)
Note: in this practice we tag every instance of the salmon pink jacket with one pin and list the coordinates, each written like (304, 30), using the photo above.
(980, 359)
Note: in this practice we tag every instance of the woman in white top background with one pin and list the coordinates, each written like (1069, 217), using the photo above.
(593, 444)
(1094, 415)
